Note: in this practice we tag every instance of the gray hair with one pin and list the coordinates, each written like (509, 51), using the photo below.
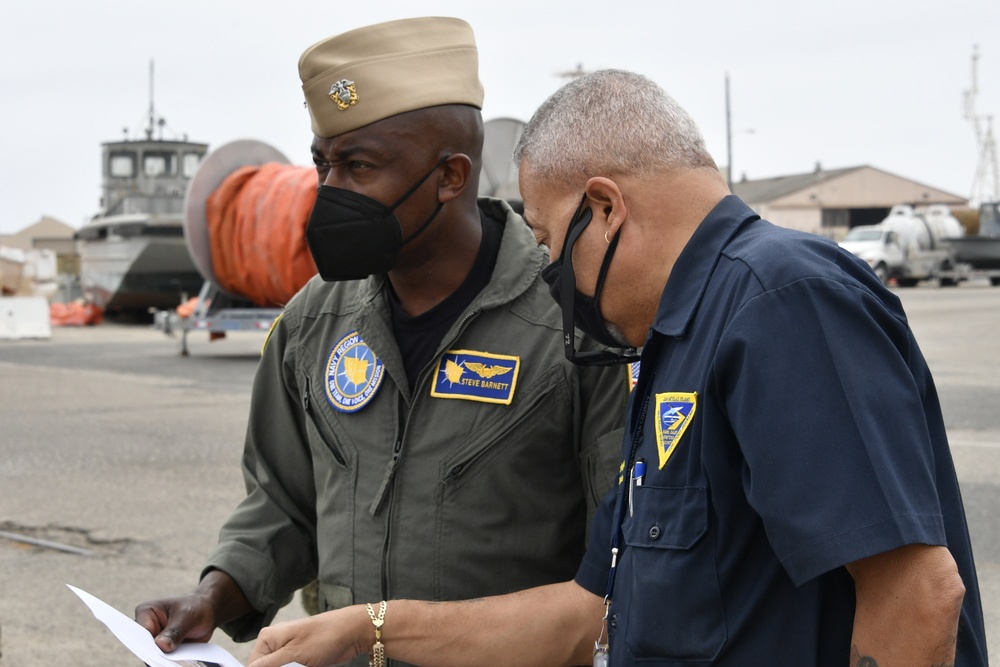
(610, 122)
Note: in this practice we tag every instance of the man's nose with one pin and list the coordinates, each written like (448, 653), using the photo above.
(329, 178)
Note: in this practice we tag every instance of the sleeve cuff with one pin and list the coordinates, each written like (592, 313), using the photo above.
(245, 566)
(592, 577)
(838, 550)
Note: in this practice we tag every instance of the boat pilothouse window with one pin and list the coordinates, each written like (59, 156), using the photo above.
(159, 164)
(189, 164)
(121, 165)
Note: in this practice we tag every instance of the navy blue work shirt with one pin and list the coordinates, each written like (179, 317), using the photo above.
(789, 425)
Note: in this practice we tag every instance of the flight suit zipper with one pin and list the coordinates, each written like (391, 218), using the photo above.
(385, 493)
(321, 427)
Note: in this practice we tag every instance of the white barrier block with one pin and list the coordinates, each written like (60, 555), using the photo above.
(24, 317)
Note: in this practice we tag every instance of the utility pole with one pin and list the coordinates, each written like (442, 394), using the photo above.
(729, 140)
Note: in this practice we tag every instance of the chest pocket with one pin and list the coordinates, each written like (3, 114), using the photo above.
(674, 608)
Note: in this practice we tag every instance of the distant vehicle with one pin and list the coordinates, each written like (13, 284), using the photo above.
(909, 246)
(981, 252)
(878, 246)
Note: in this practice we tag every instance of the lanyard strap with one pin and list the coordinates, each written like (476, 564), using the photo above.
(621, 506)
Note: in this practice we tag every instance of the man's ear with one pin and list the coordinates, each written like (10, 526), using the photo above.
(454, 178)
(607, 199)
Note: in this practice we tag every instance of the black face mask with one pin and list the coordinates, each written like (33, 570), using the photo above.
(352, 236)
(578, 309)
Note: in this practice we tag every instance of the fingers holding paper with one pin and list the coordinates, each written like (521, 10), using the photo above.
(173, 621)
(333, 637)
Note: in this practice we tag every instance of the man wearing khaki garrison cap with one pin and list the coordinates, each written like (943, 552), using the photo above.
(416, 430)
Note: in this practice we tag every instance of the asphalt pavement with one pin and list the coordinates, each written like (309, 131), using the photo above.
(119, 460)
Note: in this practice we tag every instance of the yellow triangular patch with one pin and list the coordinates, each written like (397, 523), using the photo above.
(674, 412)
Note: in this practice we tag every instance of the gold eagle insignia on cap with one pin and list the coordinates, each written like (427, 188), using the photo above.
(344, 93)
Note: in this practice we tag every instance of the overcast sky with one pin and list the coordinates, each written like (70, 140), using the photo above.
(842, 83)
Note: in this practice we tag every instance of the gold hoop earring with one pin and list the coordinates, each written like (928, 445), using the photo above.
(606, 239)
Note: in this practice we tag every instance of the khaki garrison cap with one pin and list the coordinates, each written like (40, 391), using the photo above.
(364, 75)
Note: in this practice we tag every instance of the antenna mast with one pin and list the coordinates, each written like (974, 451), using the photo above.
(986, 184)
(150, 120)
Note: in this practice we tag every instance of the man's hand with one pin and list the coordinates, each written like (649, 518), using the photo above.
(173, 621)
(193, 617)
(333, 637)
(538, 627)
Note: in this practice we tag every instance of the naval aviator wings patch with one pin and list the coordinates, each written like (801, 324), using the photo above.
(674, 412)
(476, 376)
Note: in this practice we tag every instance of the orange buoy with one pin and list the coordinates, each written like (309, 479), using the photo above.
(256, 222)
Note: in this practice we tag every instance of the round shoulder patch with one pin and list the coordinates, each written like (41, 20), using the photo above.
(353, 374)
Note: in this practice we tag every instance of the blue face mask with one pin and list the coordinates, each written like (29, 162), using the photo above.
(580, 310)
(352, 236)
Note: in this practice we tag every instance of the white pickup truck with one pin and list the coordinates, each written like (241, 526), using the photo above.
(907, 245)
(879, 247)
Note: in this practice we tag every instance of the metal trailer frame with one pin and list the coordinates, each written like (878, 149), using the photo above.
(953, 274)
(218, 314)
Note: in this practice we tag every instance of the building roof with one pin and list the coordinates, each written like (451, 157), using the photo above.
(860, 186)
(44, 228)
(763, 190)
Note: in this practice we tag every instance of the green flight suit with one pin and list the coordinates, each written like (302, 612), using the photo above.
(402, 493)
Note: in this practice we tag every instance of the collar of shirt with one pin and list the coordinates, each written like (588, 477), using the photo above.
(690, 275)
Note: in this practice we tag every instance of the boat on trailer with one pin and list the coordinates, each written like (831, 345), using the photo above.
(133, 257)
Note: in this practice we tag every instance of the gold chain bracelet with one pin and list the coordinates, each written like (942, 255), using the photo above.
(377, 658)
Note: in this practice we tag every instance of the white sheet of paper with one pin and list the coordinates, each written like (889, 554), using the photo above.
(138, 640)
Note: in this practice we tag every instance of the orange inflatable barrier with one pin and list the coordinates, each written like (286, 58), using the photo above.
(186, 309)
(76, 314)
(256, 223)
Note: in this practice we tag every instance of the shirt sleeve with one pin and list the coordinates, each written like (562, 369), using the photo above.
(595, 567)
(267, 545)
(826, 391)
(604, 393)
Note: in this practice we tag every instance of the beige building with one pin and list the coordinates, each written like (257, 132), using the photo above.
(48, 234)
(831, 202)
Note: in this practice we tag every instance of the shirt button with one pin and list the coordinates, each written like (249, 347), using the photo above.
(613, 623)
(654, 533)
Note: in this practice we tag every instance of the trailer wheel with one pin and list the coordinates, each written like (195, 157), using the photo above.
(995, 281)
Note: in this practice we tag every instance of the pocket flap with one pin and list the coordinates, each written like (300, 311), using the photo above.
(666, 518)
(334, 597)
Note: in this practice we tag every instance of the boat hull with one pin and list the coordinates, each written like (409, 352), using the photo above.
(137, 273)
